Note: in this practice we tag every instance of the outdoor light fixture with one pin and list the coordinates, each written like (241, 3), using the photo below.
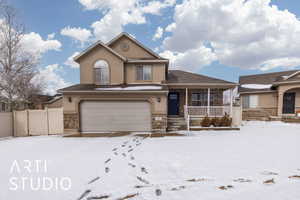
(70, 99)
(158, 99)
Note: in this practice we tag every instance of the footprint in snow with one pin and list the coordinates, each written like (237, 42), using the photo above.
(242, 180)
(142, 180)
(115, 149)
(107, 161)
(294, 177)
(225, 187)
(178, 188)
(131, 158)
(130, 150)
(144, 170)
(269, 182)
(124, 154)
(94, 180)
(84, 194)
(269, 173)
(106, 169)
(132, 165)
(98, 197)
(116, 153)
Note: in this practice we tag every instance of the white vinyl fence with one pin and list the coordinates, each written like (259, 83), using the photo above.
(38, 122)
(6, 124)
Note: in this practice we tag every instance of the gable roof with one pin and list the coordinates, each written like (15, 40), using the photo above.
(90, 48)
(264, 79)
(124, 34)
(183, 77)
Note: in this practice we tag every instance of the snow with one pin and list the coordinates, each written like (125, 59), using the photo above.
(131, 88)
(259, 152)
(257, 86)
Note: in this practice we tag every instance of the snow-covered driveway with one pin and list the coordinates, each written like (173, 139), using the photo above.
(207, 165)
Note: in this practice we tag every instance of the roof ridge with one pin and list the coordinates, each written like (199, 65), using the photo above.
(270, 73)
(203, 75)
(99, 42)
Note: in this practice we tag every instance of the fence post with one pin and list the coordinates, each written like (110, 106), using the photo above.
(48, 127)
(28, 128)
(14, 123)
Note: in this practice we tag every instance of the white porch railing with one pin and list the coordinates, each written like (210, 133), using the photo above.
(210, 111)
(202, 111)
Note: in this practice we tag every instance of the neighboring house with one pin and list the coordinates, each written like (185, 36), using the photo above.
(125, 86)
(37, 101)
(3, 107)
(271, 94)
(55, 102)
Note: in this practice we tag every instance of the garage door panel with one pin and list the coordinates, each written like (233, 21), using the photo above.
(102, 116)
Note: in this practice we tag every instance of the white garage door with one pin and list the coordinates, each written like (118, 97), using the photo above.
(102, 116)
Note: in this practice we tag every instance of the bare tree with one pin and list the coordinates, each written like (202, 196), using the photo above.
(17, 66)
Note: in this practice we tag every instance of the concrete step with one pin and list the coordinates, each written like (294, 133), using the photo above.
(181, 123)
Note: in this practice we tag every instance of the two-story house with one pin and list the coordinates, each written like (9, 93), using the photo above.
(125, 86)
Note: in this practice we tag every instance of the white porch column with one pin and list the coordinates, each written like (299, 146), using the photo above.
(186, 97)
(208, 101)
(231, 101)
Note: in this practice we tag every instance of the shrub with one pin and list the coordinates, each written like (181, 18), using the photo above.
(226, 120)
(216, 122)
(205, 122)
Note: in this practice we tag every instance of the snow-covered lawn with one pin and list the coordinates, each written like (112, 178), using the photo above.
(242, 160)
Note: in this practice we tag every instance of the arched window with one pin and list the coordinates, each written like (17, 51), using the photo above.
(101, 72)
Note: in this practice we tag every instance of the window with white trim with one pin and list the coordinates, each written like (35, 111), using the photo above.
(250, 101)
(101, 71)
(199, 98)
(144, 72)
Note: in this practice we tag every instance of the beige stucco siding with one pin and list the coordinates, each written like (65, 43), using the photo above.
(157, 107)
(158, 74)
(116, 66)
(267, 100)
(134, 51)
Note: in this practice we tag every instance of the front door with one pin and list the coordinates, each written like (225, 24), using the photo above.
(173, 103)
(288, 103)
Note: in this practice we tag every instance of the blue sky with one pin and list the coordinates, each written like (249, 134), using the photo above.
(211, 52)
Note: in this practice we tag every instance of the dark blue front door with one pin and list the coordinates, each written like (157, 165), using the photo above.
(173, 103)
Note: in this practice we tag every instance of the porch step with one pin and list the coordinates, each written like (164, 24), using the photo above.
(291, 120)
(176, 123)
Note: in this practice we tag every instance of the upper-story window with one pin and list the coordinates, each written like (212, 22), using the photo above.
(101, 72)
(144, 72)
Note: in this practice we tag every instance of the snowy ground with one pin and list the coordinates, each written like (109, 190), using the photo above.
(238, 160)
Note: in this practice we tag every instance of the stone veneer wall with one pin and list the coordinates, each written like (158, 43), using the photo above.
(71, 121)
(159, 122)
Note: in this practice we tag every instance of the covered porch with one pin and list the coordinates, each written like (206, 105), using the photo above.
(198, 102)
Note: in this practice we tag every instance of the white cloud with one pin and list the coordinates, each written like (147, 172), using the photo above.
(78, 34)
(191, 60)
(50, 76)
(70, 61)
(34, 43)
(246, 34)
(51, 36)
(117, 14)
(158, 33)
(170, 27)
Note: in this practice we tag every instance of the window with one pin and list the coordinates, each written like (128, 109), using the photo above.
(101, 72)
(216, 97)
(144, 72)
(250, 101)
(200, 98)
